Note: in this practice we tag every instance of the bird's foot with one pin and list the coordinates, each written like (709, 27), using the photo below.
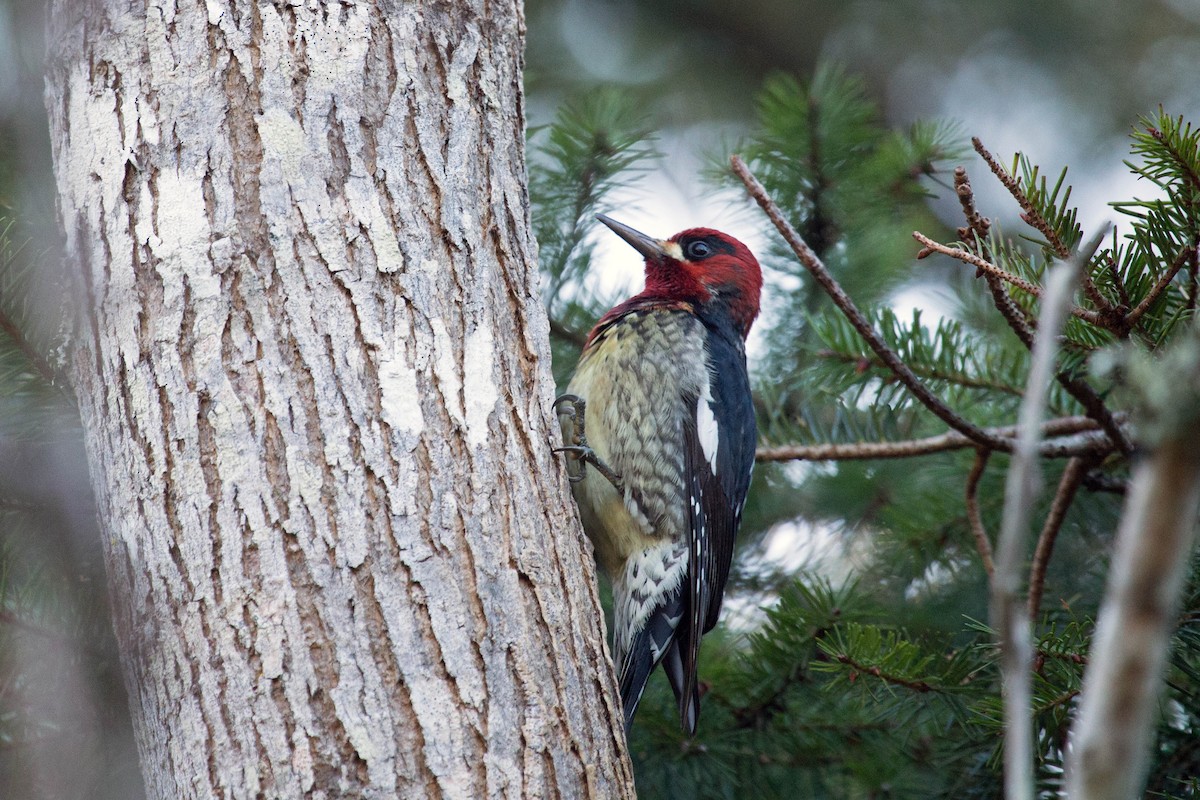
(577, 442)
(587, 455)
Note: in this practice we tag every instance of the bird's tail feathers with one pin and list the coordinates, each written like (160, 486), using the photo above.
(687, 691)
(655, 640)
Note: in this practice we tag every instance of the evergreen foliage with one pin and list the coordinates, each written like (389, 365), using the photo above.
(886, 684)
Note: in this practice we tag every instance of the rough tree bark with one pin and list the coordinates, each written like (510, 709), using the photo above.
(314, 374)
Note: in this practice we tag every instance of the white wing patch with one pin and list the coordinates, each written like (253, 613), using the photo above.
(706, 427)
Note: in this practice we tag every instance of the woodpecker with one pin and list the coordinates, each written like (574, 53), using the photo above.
(660, 435)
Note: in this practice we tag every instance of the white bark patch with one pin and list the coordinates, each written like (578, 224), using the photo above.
(400, 398)
(446, 370)
(479, 387)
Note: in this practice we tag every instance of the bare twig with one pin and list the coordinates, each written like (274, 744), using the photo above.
(1007, 611)
(982, 543)
(1033, 217)
(987, 267)
(1068, 485)
(1099, 482)
(1080, 436)
(976, 233)
(822, 275)
(1095, 408)
(983, 265)
(1160, 286)
(1013, 314)
(1193, 281)
(978, 226)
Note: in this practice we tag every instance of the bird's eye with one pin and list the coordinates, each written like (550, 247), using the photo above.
(698, 249)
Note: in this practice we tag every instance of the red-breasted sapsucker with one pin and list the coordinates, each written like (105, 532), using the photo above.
(660, 408)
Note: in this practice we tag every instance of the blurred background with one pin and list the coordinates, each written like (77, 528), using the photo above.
(1063, 81)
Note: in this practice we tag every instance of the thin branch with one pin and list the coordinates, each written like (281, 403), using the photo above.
(1013, 314)
(923, 371)
(1033, 217)
(1082, 437)
(1193, 281)
(982, 543)
(1008, 619)
(978, 226)
(822, 275)
(1099, 482)
(1068, 485)
(1074, 658)
(976, 233)
(1180, 159)
(983, 265)
(1095, 408)
(987, 267)
(916, 686)
(1164, 280)
(36, 360)
(1016, 318)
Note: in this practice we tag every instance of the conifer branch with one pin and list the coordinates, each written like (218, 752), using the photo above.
(1065, 437)
(822, 275)
(36, 360)
(987, 267)
(1179, 158)
(1111, 264)
(978, 226)
(976, 232)
(1033, 217)
(916, 686)
(1068, 485)
(982, 542)
(983, 265)
(925, 371)
(1023, 327)
(1160, 286)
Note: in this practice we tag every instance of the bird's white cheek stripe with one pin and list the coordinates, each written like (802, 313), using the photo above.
(706, 428)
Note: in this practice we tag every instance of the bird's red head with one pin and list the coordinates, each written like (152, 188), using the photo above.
(701, 266)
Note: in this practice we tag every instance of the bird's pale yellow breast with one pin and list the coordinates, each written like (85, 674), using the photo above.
(633, 377)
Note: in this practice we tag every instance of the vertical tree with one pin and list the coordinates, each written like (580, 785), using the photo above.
(313, 370)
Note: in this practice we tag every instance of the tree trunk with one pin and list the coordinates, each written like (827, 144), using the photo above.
(314, 375)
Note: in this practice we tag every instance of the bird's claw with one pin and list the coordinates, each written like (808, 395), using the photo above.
(581, 454)
(578, 445)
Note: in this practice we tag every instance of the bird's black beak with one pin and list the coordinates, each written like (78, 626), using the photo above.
(646, 245)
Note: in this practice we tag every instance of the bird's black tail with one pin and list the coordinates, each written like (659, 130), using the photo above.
(661, 640)
(650, 645)
(687, 693)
